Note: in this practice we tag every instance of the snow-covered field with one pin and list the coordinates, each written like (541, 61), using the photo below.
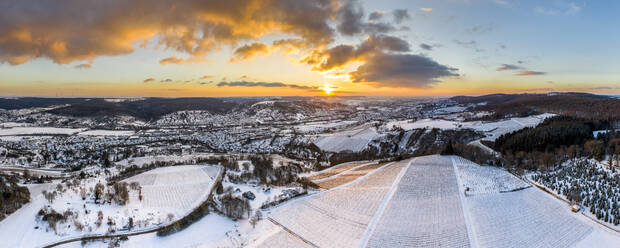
(146, 160)
(526, 218)
(347, 176)
(354, 139)
(485, 179)
(39, 131)
(106, 133)
(422, 205)
(168, 193)
(339, 217)
(425, 210)
(492, 129)
(335, 170)
(322, 126)
(176, 189)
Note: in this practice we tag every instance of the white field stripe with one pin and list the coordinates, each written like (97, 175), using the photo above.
(335, 188)
(471, 232)
(375, 219)
(342, 172)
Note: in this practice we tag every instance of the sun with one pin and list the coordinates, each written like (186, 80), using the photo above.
(328, 89)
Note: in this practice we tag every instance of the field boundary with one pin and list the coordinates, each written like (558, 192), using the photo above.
(387, 198)
(544, 189)
(471, 232)
(342, 172)
(137, 232)
(292, 233)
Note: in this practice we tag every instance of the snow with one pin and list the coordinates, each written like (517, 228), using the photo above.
(353, 140)
(492, 129)
(597, 132)
(146, 160)
(208, 230)
(167, 190)
(452, 109)
(599, 238)
(107, 133)
(485, 179)
(12, 124)
(176, 189)
(425, 123)
(425, 210)
(525, 218)
(338, 217)
(321, 126)
(38, 131)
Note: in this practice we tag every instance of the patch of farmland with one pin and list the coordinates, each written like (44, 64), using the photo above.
(283, 239)
(347, 176)
(425, 123)
(322, 126)
(335, 170)
(485, 179)
(526, 218)
(107, 133)
(176, 188)
(492, 129)
(146, 160)
(353, 140)
(338, 218)
(39, 131)
(425, 210)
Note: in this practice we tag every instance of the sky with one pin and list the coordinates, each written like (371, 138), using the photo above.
(213, 48)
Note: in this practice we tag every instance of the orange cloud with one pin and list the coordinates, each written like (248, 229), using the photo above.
(42, 29)
(149, 80)
(178, 61)
(249, 51)
(529, 73)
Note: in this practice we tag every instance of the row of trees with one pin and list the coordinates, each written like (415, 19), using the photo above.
(12, 196)
(555, 141)
(588, 184)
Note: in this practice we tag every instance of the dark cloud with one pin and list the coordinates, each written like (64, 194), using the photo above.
(472, 44)
(341, 55)
(426, 47)
(149, 80)
(83, 66)
(375, 16)
(401, 15)
(378, 27)
(249, 51)
(529, 73)
(168, 80)
(466, 43)
(402, 70)
(350, 16)
(506, 67)
(480, 29)
(264, 84)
